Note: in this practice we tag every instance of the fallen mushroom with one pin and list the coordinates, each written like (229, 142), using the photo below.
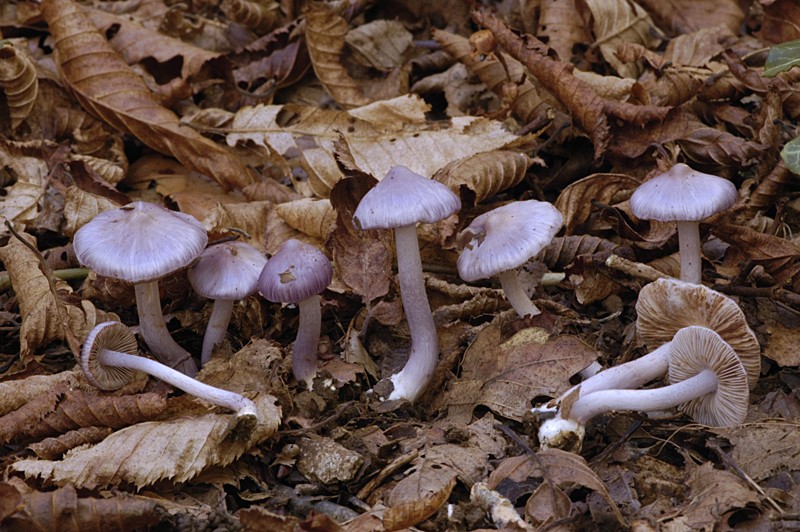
(684, 196)
(225, 273)
(503, 239)
(297, 274)
(140, 243)
(400, 201)
(707, 382)
(110, 356)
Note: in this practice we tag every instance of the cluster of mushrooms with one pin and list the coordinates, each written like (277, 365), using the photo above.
(700, 338)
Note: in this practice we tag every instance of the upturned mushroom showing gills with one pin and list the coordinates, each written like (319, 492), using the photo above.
(109, 359)
(224, 272)
(685, 196)
(503, 239)
(140, 243)
(707, 382)
(400, 201)
(297, 274)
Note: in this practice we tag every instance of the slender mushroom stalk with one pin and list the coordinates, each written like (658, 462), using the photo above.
(685, 196)
(154, 330)
(400, 201)
(709, 383)
(111, 347)
(503, 239)
(297, 273)
(225, 273)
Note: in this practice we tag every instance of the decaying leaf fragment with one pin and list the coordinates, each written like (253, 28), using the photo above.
(177, 449)
(19, 83)
(104, 84)
(314, 217)
(417, 497)
(259, 16)
(484, 174)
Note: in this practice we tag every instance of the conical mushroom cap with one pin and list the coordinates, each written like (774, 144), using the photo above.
(695, 349)
(506, 237)
(296, 272)
(227, 271)
(668, 305)
(404, 198)
(682, 193)
(115, 337)
(139, 242)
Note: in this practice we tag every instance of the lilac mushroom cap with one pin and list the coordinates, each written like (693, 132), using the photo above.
(503, 239)
(297, 274)
(400, 201)
(225, 273)
(140, 243)
(685, 196)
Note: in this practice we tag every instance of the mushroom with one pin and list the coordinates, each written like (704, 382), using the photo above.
(501, 240)
(140, 243)
(400, 201)
(707, 382)
(110, 356)
(297, 274)
(664, 307)
(225, 273)
(685, 196)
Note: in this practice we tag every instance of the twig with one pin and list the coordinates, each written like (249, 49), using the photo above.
(634, 269)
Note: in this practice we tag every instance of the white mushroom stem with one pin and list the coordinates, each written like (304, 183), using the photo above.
(689, 242)
(217, 327)
(412, 380)
(155, 333)
(233, 401)
(306, 345)
(559, 431)
(512, 287)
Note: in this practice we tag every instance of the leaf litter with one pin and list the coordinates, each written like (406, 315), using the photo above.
(269, 122)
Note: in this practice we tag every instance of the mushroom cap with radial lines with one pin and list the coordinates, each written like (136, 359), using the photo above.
(667, 305)
(227, 271)
(682, 194)
(113, 336)
(506, 237)
(404, 198)
(296, 272)
(139, 242)
(695, 349)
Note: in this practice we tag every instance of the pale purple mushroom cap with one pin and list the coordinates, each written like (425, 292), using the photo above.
(227, 271)
(404, 198)
(682, 194)
(506, 237)
(139, 242)
(296, 272)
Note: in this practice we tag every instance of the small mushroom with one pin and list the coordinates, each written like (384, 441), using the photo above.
(140, 243)
(685, 196)
(503, 239)
(225, 273)
(110, 356)
(664, 307)
(707, 381)
(297, 274)
(400, 201)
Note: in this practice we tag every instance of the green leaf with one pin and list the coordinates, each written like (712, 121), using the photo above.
(782, 57)
(791, 155)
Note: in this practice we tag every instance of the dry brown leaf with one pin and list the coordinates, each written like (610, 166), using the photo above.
(620, 21)
(575, 200)
(258, 519)
(324, 460)
(65, 511)
(418, 496)
(81, 206)
(26, 418)
(485, 303)
(783, 342)
(176, 449)
(314, 217)
(14, 394)
(764, 448)
(19, 83)
(21, 198)
(325, 37)
(608, 87)
(506, 375)
(686, 16)
(561, 24)
(481, 176)
(246, 219)
(562, 251)
(380, 44)
(53, 448)
(696, 49)
(379, 136)
(547, 504)
(104, 84)
(257, 16)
